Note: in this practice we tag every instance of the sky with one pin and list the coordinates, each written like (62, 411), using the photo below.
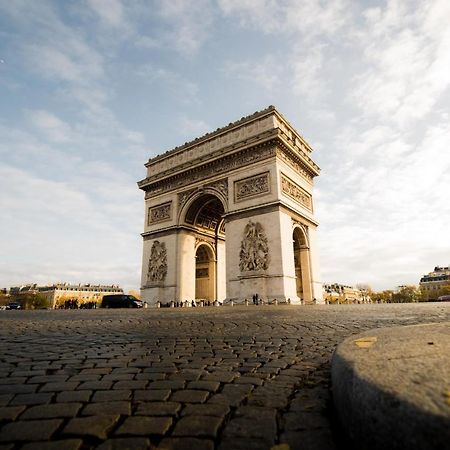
(90, 89)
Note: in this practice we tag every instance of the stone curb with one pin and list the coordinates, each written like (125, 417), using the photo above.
(391, 387)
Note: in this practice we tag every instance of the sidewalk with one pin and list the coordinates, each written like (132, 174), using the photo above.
(391, 387)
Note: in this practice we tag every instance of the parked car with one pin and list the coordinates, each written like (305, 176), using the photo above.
(444, 298)
(13, 305)
(120, 301)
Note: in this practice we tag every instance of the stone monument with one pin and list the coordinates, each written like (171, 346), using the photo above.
(230, 215)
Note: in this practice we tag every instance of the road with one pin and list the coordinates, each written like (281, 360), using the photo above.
(188, 378)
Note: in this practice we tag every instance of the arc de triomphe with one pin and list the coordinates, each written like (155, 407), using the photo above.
(230, 215)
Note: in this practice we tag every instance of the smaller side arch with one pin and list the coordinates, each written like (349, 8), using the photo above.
(302, 264)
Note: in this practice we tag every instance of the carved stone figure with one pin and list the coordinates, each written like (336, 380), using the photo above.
(254, 254)
(249, 187)
(157, 265)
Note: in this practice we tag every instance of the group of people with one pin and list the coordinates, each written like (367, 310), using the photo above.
(74, 304)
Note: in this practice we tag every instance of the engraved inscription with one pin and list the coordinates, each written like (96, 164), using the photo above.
(157, 264)
(160, 213)
(294, 191)
(254, 254)
(249, 187)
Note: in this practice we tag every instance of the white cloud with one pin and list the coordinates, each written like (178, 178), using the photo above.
(407, 49)
(53, 128)
(264, 73)
(193, 127)
(309, 17)
(187, 24)
(110, 12)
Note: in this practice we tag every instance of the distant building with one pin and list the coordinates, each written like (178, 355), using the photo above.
(57, 294)
(340, 293)
(432, 285)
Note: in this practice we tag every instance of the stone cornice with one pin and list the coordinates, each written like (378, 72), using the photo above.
(271, 144)
(246, 131)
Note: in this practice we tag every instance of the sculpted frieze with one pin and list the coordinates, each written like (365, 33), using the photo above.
(160, 213)
(251, 186)
(295, 165)
(254, 254)
(294, 191)
(223, 165)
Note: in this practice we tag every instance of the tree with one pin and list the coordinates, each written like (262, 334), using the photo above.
(407, 294)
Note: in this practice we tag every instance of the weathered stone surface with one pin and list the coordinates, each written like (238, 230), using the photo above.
(198, 426)
(64, 444)
(403, 374)
(52, 411)
(189, 396)
(107, 408)
(221, 343)
(29, 430)
(145, 426)
(96, 426)
(125, 444)
(158, 409)
(186, 444)
(10, 412)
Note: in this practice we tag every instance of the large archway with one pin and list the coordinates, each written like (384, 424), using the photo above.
(204, 217)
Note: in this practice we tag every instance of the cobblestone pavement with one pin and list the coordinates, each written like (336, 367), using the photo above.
(194, 378)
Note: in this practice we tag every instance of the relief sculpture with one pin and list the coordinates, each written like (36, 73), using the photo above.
(157, 265)
(254, 254)
(249, 187)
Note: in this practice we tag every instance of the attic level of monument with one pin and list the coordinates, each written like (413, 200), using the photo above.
(232, 144)
(230, 215)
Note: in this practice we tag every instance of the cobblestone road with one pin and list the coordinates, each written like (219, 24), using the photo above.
(198, 378)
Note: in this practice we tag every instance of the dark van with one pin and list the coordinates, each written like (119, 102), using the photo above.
(120, 301)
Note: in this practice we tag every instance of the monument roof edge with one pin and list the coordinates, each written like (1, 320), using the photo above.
(211, 134)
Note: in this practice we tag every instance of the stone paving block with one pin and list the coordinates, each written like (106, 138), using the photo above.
(308, 440)
(158, 409)
(73, 396)
(65, 444)
(111, 396)
(186, 444)
(95, 426)
(249, 380)
(221, 377)
(211, 386)
(32, 399)
(5, 399)
(18, 388)
(150, 376)
(145, 426)
(59, 386)
(12, 380)
(52, 411)
(85, 377)
(95, 385)
(125, 444)
(167, 384)
(198, 426)
(29, 430)
(130, 384)
(107, 408)
(206, 409)
(152, 395)
(118, 377)
(189, 396)
(10, 412)
(248, 427)
(41, 379)
(240, 443)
